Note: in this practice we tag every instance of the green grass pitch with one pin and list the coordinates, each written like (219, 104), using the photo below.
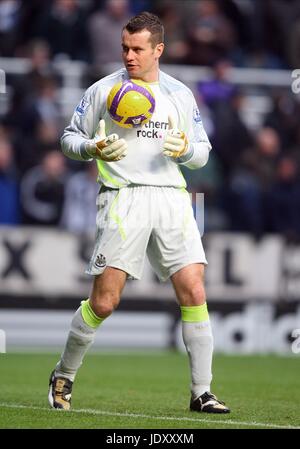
(150, 391)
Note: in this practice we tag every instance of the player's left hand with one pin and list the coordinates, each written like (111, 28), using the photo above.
(176, 142)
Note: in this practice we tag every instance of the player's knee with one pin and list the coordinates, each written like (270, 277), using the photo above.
(196, 296)
(103, 310)
(104, 305)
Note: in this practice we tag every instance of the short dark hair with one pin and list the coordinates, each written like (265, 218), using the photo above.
(147, 21)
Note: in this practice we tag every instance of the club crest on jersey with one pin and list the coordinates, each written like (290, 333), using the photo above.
(196, 115)
(100, 261)
(82, 107)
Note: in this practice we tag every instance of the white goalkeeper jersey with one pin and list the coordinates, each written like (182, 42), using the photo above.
(145, 163)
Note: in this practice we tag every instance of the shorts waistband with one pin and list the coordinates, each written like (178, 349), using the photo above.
(104, 188)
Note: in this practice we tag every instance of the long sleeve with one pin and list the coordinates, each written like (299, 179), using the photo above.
(199, 144)
(81, 128)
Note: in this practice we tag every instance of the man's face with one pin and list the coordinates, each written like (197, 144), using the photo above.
(139, 57)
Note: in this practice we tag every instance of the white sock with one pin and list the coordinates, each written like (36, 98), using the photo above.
(80, 338)
(198, 341)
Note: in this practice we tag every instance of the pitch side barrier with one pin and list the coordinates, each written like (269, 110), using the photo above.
(252, 288)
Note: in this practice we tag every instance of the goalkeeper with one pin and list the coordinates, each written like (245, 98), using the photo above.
(144, 209)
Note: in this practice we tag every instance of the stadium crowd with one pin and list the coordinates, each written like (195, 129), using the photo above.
(251, 183)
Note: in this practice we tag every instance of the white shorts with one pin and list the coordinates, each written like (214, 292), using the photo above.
(136, 220)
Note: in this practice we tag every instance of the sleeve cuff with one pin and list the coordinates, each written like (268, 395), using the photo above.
(83, 153)
(187, 156)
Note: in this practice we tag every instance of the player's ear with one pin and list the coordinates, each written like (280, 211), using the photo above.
(159, 49)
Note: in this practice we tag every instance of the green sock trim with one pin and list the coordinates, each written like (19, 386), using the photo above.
(88, 315)
(194, 314)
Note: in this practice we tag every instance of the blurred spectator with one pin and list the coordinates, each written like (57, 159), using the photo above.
(267, 153)
(211, 36)
(9, 191)
(231, 136)
(43, 106)
(243, 202)
(283, 200)
(42, 190)
(251, 177)
(33, 120)
(176, 47)
(295, 148)
(39, 54)
(293, 44)
(259, 58)
(10, 11)
(217, 94)
(241, 16)
(278, 17)
(219, 89)
(207, 181)
(30, 15)
(284, 117)
(79, 212)
(26, 86)
(63, 26)
(104, 32)
(41, 124)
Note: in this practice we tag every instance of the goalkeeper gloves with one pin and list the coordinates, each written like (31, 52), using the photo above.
(109, 148)
(176, 142)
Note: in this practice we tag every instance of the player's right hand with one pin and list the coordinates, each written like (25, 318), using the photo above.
(109, 148)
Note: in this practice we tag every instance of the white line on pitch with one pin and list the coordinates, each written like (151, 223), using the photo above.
(163, 418)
